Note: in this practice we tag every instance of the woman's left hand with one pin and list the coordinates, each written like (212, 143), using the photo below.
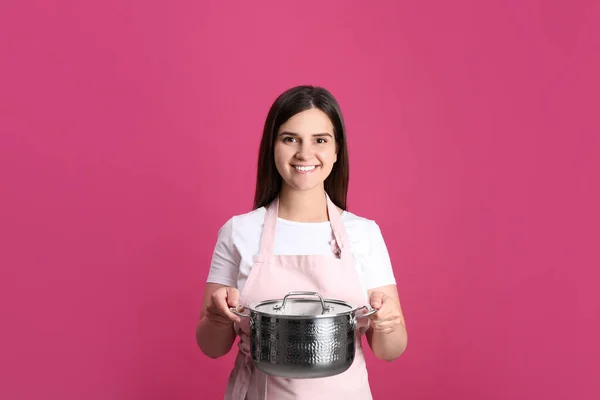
(388, 317)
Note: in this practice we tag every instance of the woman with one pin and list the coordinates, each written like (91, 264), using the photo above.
(300, 237)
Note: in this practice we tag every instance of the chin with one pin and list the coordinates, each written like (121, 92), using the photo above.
(302, 188)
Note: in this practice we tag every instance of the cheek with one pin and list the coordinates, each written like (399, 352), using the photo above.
(281, 155)
(328, 156)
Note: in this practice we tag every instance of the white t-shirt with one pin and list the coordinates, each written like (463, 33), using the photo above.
(239, 241)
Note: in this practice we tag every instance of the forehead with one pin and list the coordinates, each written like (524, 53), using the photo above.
(308, 122)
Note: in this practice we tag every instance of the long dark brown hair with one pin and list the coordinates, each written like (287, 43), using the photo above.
(288, 104)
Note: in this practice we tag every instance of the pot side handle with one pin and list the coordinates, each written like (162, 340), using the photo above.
(239, 314)
(370, 311)
(356, 317)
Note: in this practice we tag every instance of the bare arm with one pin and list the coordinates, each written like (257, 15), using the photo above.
(214, 333)
(387, 334)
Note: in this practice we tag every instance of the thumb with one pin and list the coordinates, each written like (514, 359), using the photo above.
(376, 299)
(233, 296)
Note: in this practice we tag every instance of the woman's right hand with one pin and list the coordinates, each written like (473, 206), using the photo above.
(217, 308)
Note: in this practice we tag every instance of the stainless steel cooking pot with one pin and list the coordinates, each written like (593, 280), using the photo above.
(303, 337)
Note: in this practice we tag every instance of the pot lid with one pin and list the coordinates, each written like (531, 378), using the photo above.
(304, 304)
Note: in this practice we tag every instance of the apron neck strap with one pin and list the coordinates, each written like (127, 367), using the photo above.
(267, 240)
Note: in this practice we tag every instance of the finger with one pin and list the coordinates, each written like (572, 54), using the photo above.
(222, 307)
(383, 312)
(222, 320)
(385, 325)
(376, 299)
(233, 296)
(386, 331)
(215, 316)
(223, 314)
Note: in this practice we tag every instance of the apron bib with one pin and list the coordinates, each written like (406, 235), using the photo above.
(274, 276)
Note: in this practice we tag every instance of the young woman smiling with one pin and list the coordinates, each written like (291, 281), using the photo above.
(300, 237)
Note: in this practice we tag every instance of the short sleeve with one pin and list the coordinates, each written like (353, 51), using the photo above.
(378, 271)
(224, 266)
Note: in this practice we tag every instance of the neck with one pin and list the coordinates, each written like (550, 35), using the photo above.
(303, 206)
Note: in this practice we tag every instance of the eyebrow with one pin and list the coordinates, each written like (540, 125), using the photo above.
(313, 135)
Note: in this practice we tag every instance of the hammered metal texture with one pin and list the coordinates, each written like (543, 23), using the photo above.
(301, 347)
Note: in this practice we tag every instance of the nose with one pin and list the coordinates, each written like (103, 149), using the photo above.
(305, 152)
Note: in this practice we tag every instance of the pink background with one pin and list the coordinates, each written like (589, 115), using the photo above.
(129, 135)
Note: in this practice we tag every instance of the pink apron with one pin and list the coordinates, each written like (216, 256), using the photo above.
(274, 276)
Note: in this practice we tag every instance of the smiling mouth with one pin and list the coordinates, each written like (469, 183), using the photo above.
(303, 168)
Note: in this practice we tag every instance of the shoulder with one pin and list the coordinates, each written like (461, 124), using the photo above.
(358, 224)
(243, 222)
(364, 233)
(369, 250)
(234, 235)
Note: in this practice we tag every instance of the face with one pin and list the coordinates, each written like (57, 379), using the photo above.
(305, 150)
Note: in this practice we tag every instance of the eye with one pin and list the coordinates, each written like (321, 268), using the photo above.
(321, 140)
(288, 139)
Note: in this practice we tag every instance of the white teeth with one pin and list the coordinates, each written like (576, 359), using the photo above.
(304, 168)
